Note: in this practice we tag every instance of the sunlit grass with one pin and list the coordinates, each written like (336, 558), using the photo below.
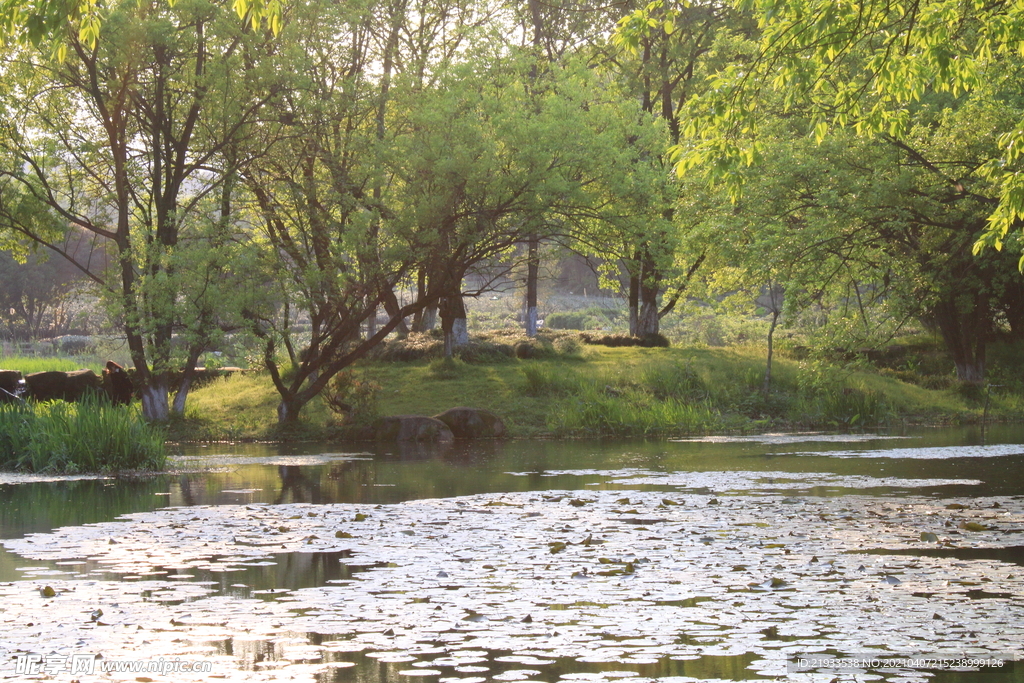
(611, 391)
(29, 364)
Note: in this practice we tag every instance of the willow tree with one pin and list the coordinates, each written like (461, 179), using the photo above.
(127, 138)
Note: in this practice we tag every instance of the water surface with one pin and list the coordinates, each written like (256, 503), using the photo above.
(696, 499)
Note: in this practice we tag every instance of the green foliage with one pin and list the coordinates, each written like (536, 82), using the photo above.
(596, 411)
(88, 436)
(352, 397)
(827, 396)
(590, 318)
(609, 389)
(30, 364)
(861, 66)
(663, 398)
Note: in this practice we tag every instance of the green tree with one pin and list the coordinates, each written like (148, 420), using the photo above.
(36, 295)
(863, 65)
(321, 198)
(667, 51)
(125, 139)
(878, 231)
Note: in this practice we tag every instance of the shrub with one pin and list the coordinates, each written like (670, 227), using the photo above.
(672, 380)
(351, 397)
(599, 412)
(412, 348)
(939, 382)
(544, 380)
(576, 320)
(534, 348)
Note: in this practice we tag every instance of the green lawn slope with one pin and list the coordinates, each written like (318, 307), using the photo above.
(594, 391)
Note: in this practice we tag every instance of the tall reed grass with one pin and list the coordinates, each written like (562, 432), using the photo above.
(89, 436)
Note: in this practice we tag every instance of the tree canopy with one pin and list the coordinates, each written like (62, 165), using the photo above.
(863, 65)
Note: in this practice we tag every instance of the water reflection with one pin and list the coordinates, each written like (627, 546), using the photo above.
(433, 662)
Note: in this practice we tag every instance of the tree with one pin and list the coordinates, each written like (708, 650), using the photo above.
(125, 139)
(878, 231)
(864, 65)
(512, 156)
(323, 196)
(36, 295)
(664, 68)
(48, 24)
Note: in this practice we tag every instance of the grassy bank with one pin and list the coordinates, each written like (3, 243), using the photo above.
(88, 436)
(599, 391)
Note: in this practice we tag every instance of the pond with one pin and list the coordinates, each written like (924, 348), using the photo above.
(801, 557)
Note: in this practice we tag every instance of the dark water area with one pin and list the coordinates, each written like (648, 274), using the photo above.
(232, 474)
(948, 463)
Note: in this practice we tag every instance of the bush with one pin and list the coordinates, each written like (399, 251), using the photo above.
(445, 368)
(91, 435)
(534, 348)
(353, 398)
(590, 318)
(544, 380)
(412, 348)
(576, 320)
(672, 380)
(72, 344)
(939, 382)
(618, 340)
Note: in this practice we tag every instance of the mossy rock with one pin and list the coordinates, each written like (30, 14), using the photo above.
(413, 428)
(473, 423)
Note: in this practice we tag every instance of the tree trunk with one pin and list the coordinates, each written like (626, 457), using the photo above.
(771, 349)
(965, 333)
(649, 285)
(392, 307)
(288, 411)
(155, 407)
(428, 319)
(453, 324)
(371, 324)
(634, 298)
(187, 377)
(532, 275)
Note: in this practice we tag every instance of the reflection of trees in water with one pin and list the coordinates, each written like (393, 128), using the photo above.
(370, 670)
(44, 506)
(185, 485)
(296, 487)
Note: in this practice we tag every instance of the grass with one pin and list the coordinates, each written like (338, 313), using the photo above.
(599, 391)
(29, 364)
(88, 436)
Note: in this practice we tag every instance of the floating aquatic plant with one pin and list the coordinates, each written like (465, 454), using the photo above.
(639, 579)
